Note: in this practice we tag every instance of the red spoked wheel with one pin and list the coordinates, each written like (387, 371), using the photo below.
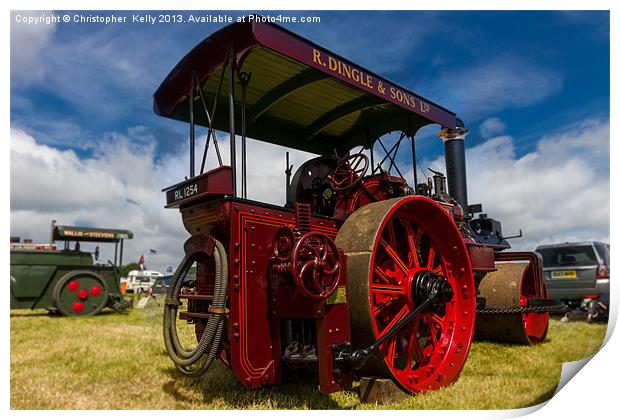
(388, 243)
(315, 265)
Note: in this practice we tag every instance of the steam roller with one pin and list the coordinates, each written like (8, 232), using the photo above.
(357, 273)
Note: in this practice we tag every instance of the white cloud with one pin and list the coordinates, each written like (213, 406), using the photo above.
(559, 192)
(120, 187)
(492, 127)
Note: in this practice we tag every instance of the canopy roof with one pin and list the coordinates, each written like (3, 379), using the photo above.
(300, 95)
(83, 234)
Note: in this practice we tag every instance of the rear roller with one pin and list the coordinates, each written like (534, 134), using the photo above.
(509, 288)
(390, 245)
(80, 293)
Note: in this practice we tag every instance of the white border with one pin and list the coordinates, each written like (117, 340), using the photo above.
(591, 393)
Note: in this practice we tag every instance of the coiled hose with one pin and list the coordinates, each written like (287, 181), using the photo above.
(212, 335)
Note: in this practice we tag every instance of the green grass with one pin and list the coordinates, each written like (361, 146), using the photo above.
(118, 361)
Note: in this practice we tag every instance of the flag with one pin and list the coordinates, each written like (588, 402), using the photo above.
(153, 251)
(141, 262)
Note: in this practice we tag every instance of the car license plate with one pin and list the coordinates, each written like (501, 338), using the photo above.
(564, 274)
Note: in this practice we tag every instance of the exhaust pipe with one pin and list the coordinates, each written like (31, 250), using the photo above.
(454, 151)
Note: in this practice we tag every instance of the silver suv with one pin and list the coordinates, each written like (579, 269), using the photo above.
(576, 271)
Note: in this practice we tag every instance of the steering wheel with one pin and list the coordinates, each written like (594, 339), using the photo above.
(348, 172)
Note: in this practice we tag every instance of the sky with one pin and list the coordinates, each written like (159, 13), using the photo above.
(532, 87)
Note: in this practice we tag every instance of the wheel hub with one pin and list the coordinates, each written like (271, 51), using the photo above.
(427, 283)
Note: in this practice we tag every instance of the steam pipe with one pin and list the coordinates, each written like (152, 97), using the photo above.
(454, 151)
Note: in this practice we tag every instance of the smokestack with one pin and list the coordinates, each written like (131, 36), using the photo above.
(454, 150)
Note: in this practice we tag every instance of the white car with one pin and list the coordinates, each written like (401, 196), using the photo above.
(139, 281)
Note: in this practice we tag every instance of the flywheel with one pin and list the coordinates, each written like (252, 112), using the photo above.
(388, 244)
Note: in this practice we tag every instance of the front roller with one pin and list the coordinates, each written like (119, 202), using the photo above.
(507, 293)
(391, 247)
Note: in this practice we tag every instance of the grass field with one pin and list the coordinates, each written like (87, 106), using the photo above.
(117, 361)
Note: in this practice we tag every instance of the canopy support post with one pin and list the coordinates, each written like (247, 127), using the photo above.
(244, 79)
(231, 118)
(414, 164)
(115, 252)
(372, 155)
(192, 140)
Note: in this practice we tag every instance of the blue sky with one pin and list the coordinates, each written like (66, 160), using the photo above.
(533, 78)
(535, 71)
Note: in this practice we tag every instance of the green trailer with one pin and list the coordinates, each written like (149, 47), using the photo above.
(65, 279)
